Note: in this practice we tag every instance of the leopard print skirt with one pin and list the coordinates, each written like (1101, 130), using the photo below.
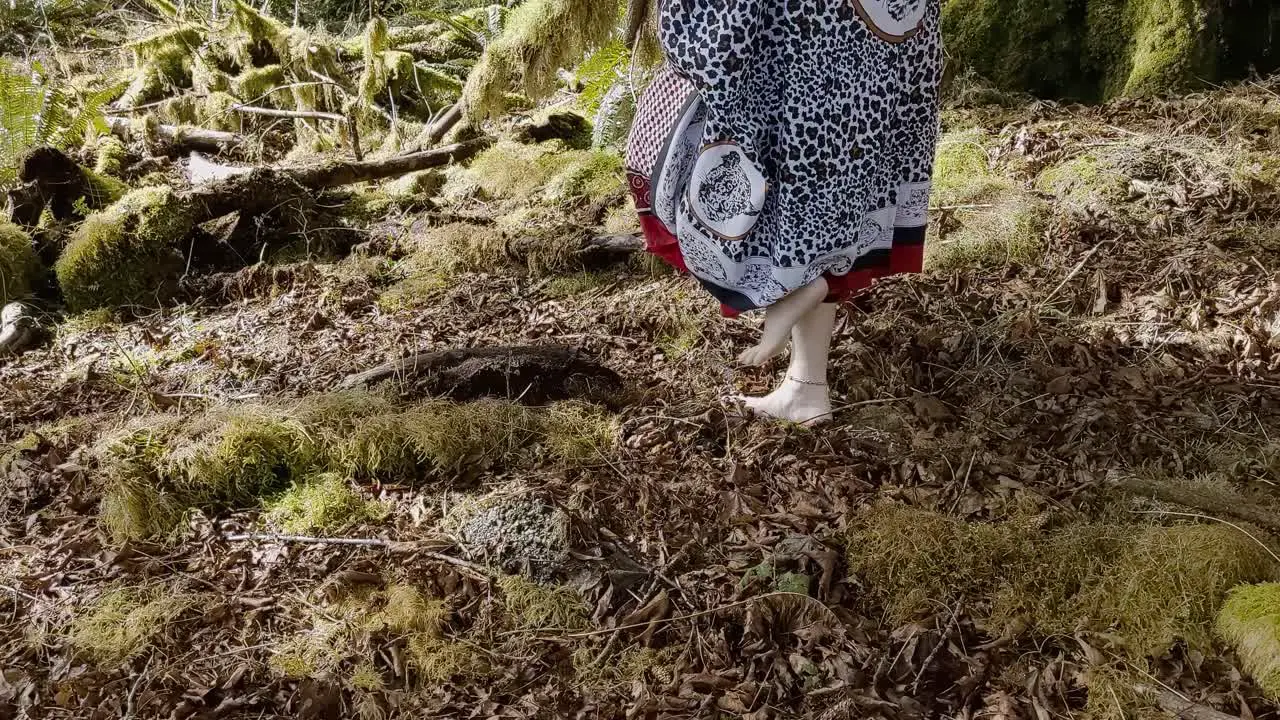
(784, 141)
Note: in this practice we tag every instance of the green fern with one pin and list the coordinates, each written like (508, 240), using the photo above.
(37, 110)
(600, 72)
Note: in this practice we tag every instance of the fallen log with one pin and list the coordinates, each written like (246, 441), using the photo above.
(184, 139)
(592, 252)
(262, 189)
(532, 374)
(1189, 497)
(23, 205)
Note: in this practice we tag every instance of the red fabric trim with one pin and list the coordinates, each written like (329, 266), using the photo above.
(659, 241)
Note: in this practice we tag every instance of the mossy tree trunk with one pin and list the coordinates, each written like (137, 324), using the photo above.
(1100, 49)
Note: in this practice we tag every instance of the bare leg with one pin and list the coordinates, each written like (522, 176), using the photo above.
(780, 318)
(804, 397)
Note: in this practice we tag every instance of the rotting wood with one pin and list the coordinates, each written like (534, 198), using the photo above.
(23, 205)
(184, 139)
(531, 374)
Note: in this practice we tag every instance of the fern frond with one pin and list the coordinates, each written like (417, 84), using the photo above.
(90, 115)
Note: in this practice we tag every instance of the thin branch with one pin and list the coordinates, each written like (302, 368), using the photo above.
(272, 537)
(363, 542)
(299, 114)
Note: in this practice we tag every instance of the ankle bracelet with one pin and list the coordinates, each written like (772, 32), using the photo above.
(793, 378)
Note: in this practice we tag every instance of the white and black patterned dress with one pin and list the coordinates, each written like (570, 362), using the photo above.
(789, 139)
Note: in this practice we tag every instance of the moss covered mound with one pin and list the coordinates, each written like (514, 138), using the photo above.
(127, 254)
(1149, 586)
(1099, 49)
(298, 456)
(1250, 621)
(989, 218)
(19, 265)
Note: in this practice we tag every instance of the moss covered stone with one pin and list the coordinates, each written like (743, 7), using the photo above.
(19, 265)
(1250, 621)
(1098, 49)
(1149, 586)
(127, 254)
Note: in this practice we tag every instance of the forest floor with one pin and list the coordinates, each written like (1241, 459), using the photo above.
(989, 527)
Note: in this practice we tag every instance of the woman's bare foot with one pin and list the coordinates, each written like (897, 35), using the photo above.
(780, 317)
(794, 401)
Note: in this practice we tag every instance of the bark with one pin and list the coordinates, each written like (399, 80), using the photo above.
(19, 329)
(353, 127)
(56, 178)
(530, 374)
(183, 139)
(637, 13)
(443, 124)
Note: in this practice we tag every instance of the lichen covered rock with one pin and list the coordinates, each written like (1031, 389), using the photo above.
(515, 534)
(127, 254)
(19, 265)
(1101, 49)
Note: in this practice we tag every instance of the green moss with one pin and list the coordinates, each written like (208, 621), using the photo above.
(126, 254)
(123, 623)
(651, 666)
(1149, 586)
(539, 38)
(566, 286)
(962, 172)
(578, 434)
(259, 85)
(592, 175)
(103, 190)
(326, 503)
(1250, 621)
(235, 457)
(542, 607)
(1058, 48)
(1090, 181)
(110, 156)
(440, 437)
(19, 265)
(547, 172)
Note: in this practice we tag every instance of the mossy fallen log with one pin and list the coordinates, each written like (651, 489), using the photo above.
(1100, 49)
(183, 139)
